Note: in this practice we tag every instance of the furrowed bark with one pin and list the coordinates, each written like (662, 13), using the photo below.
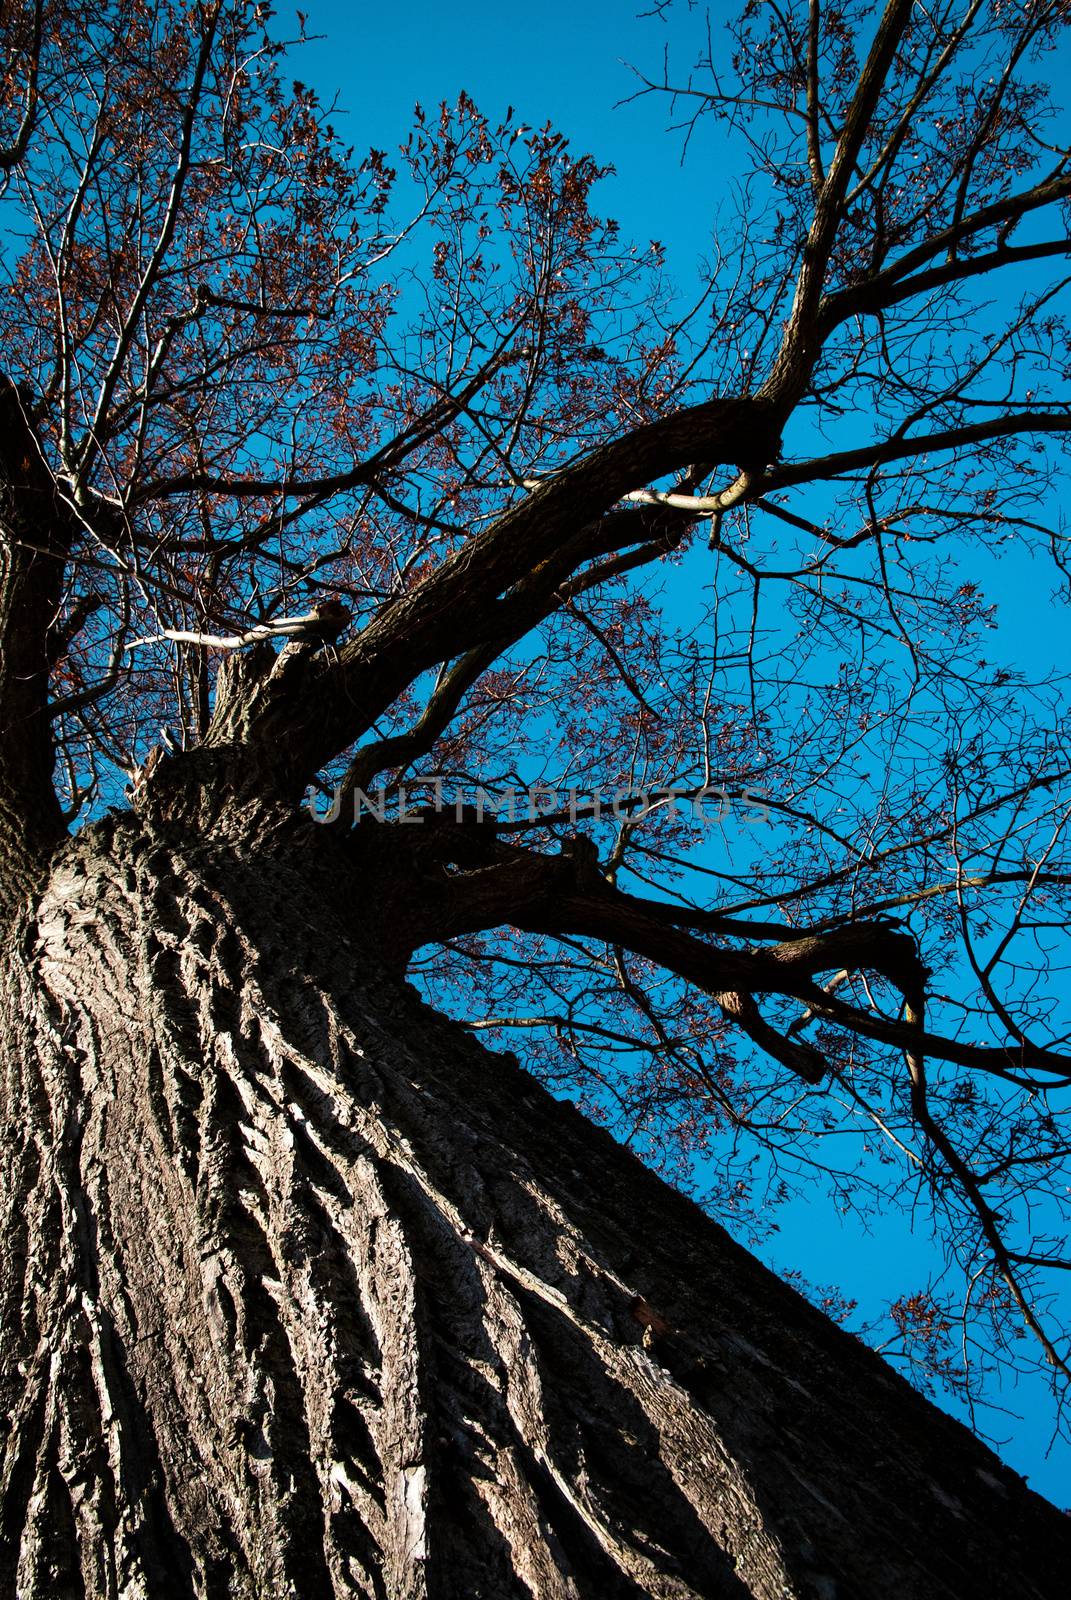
(306, 1294)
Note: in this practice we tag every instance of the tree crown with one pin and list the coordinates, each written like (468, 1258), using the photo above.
(332, 472)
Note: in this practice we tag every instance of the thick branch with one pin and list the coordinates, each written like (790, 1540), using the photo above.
(903, 277)
(881, 451)
(801, 344)
(890, 289)
(458, 878)
(538, 594)
(532, 548)
(450, 878)
(34, 537)
(490, 592)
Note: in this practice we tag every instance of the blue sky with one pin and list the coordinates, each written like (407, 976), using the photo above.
(568, 64)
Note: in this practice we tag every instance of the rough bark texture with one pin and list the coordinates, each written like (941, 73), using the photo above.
(306, 1294)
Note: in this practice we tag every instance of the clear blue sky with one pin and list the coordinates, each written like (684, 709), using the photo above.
(568, 63)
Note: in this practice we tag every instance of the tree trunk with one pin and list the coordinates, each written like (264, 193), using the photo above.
(306, 1294)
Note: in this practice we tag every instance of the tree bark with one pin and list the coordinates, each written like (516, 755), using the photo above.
(306, 1294)
(34, 537)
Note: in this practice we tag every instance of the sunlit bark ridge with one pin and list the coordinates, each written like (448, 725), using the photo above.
(302, 1293)
(306, 1294)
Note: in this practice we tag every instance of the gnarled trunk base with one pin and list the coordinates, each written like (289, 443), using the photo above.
(305, 1294)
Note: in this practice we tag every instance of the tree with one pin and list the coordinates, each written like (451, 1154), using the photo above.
(305, 1292)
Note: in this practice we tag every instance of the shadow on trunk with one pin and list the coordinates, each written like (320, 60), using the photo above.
(307, 1294)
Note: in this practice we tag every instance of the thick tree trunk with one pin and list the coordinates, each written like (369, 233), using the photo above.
(305, 1294)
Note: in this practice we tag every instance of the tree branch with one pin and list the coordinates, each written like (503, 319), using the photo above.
(459, 878)
(35, 533)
